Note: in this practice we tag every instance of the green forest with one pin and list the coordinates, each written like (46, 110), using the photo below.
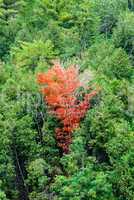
(47, 47)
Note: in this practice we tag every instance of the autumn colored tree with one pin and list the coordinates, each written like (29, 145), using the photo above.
(60, 88)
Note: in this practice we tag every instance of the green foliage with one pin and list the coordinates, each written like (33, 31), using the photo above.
(108, 12)
(85, 184)
(131, 4)
(78, 157)
(71, 27)
(122, 176)
(33, 54)
(8, 26)
(96, 35)
(37, 174)
(120, 150)
(123, 35)
(112, 62)
(2, 196)
(3, 75)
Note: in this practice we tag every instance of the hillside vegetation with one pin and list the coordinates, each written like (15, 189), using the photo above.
(96, 161)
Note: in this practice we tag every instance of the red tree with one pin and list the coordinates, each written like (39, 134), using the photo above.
(59, 89)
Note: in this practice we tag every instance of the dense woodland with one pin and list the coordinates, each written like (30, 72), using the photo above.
(94, 35)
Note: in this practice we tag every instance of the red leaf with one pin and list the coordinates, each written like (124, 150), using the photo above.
(59, 88)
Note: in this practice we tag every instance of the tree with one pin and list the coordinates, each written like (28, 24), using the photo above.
(59, 91)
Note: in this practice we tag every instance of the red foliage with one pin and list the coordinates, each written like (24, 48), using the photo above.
(59, 90)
